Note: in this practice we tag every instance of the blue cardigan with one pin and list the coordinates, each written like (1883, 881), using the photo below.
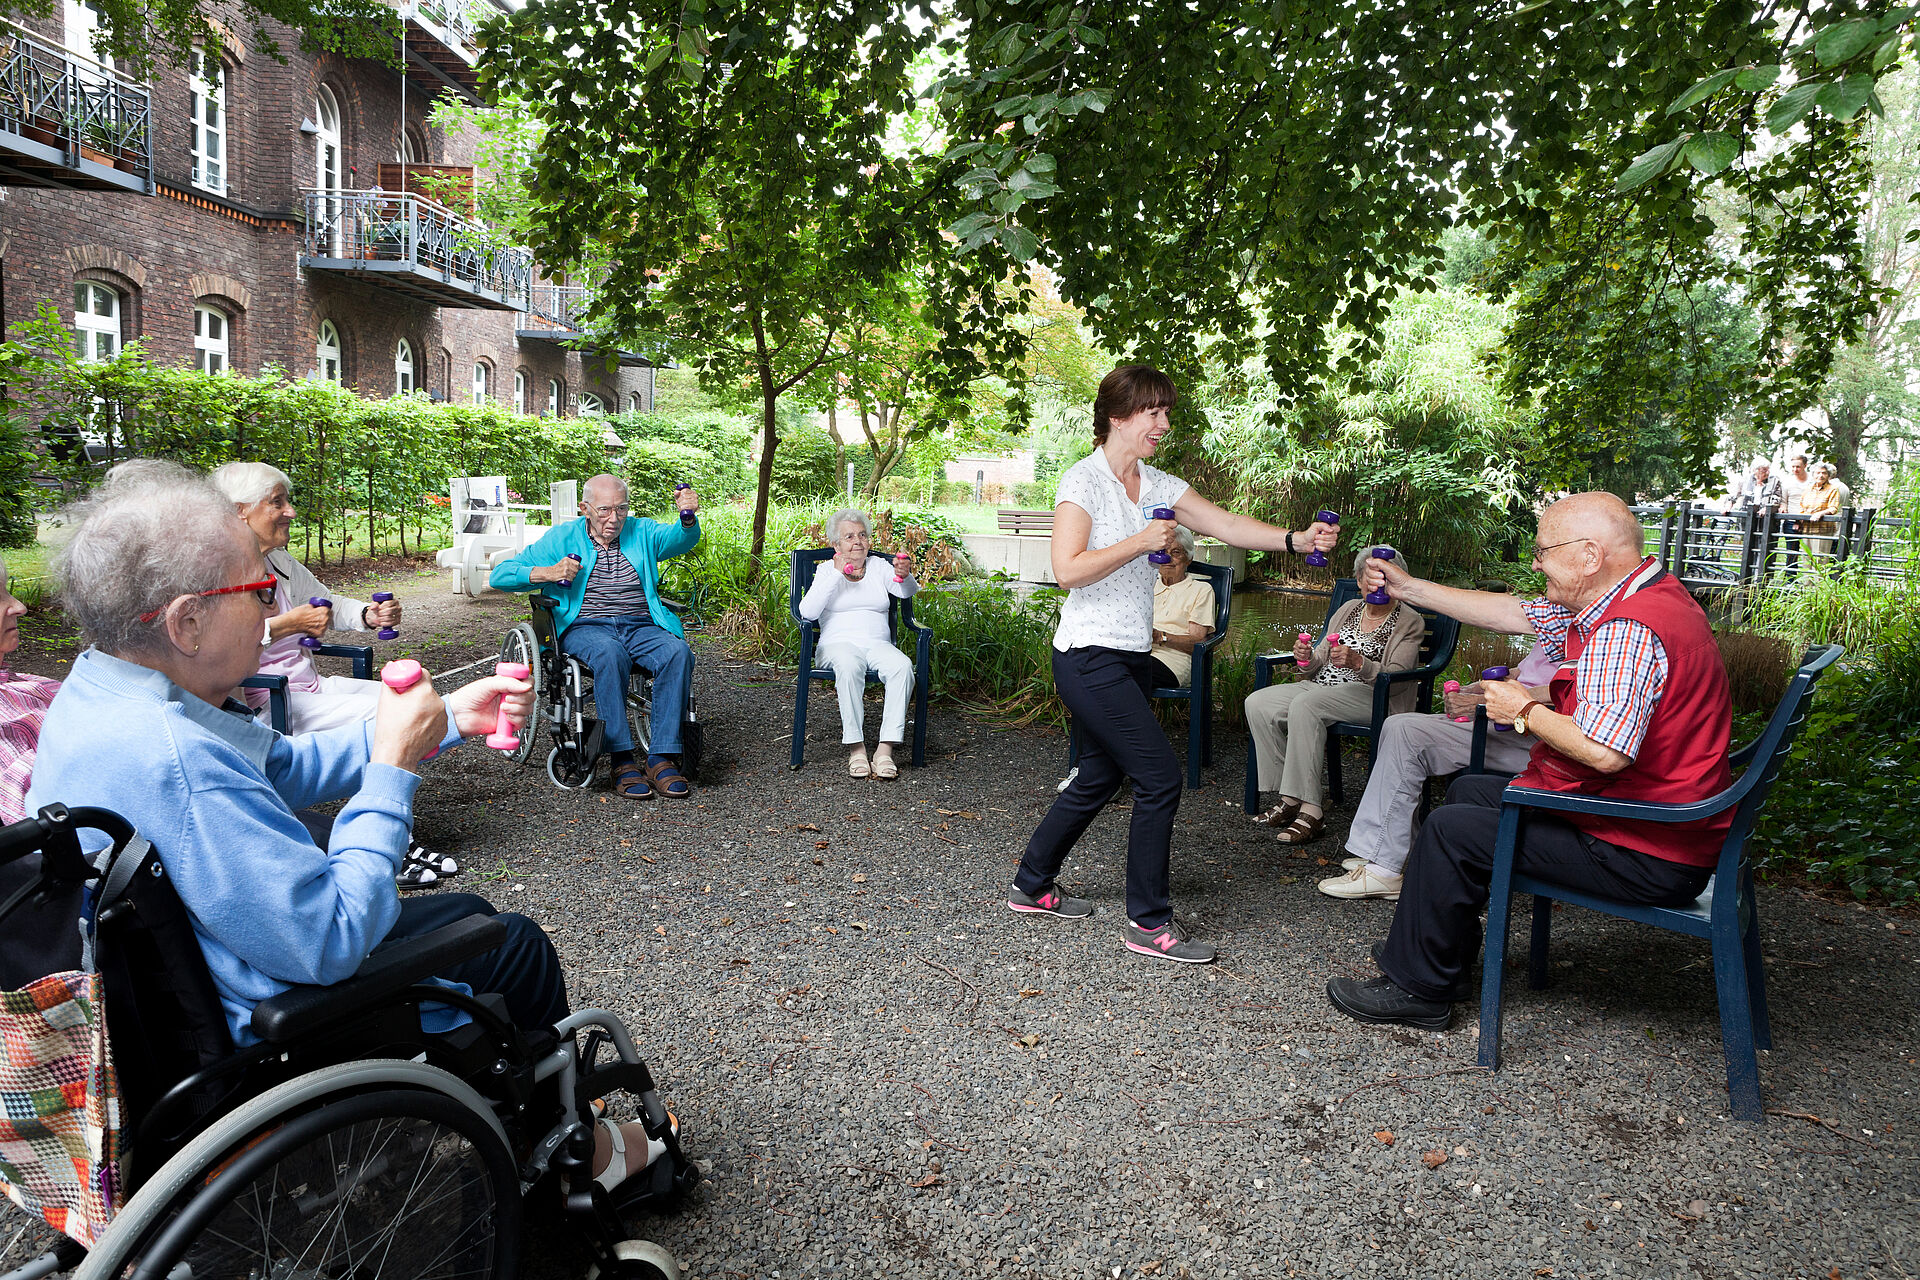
(643, 542)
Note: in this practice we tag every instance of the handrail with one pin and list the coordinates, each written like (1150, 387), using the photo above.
(355, 227)
(46, 93)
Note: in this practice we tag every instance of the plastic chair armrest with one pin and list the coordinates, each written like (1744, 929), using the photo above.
(1639, 810)
(1744, 755)
(387, 972)
(362, 655)
(1263, 664)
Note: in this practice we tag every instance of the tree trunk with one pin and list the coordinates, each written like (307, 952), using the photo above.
(1846, 429)
(833, 433)
(769, 441)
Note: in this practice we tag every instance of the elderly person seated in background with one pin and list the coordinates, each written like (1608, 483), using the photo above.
(1289, 721)
(262, 495)
(23, 708)
(171, 591)
(850, 597)
(1414, 748)
(1183, 612)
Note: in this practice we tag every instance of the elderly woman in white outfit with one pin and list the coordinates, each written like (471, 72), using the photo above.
(850, 598)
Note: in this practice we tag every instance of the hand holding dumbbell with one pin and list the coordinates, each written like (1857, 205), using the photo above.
(1497, 673)
(1447, 691)
(902, 565)
(1379, 594)
(385, 633)
(1316, 557)
(401, 675)
(1161, 557)
(504, 737)
(686, 513)
(568, 580)
(317, 602)
(1303, 649)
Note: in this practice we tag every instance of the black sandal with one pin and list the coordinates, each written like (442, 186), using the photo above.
(1280, 815)
(1303, 830)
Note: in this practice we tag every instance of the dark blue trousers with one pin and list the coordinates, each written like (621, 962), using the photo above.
(1107, 692)
(612, 648)
(524, 970)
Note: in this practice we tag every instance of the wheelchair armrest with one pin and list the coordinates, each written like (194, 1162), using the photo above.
(385, 973)
(362, 655)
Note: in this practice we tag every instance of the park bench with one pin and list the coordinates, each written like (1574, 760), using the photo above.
(1022, 522)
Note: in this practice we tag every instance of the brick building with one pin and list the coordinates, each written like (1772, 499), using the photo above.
(244, 212)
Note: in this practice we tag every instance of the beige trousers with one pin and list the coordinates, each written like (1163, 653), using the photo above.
(1289, 723)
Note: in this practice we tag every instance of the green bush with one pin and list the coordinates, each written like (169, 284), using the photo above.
(808, 467)
(653, 467)
(723, 444)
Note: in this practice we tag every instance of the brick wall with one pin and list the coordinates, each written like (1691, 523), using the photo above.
(240, 250)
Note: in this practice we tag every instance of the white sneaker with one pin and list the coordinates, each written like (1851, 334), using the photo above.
(1362, 883)
(1352, 864)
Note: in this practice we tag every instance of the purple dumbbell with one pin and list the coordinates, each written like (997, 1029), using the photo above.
(318, 602)
(1161, 557)
(385, 633)
(1498, 673)
(1380, 596)
(568, 582)
(1316, 557)
(686, 517)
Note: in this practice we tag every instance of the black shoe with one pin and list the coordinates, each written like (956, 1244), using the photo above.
(1380, 1000)
(1465, 989)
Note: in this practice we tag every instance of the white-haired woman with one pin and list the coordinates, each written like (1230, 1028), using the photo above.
(850, 597)
(1289, 721)
(262, 494)
(1183, 614)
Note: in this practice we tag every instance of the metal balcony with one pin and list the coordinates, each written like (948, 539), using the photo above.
(556, 313)
(415, 247)
(442, 45)
(67, 121)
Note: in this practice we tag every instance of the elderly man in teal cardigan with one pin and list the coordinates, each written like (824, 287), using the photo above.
(611, 618)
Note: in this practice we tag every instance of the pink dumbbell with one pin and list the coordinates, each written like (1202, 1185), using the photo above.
(901, 562)
(1308, 637)
(385, 633)
(401, 675)
(503, 737)
(1453, 686)
(318, 602)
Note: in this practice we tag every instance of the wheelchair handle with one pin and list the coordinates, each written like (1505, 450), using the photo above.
(385, 633)
(318, 602)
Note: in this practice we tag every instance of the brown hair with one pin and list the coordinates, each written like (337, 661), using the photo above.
(1126, 391)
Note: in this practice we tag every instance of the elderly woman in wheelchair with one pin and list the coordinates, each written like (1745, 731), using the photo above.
(306, 955)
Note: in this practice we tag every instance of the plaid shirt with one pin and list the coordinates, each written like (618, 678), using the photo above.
(23, 709)
(1621, 672)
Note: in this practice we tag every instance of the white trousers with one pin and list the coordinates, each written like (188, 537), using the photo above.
(850, 664)
(1414, 748)
(341, 700)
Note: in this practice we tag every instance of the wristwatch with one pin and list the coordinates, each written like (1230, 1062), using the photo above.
(1520, 721)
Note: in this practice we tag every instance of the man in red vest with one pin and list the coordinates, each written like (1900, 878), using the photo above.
(1637, 710)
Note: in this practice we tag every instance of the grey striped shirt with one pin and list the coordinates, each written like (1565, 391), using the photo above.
(613, 588)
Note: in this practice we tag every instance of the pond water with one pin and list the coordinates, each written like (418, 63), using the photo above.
(1276, 617)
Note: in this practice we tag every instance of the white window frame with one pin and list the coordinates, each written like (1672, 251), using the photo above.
(80, 20)
(404, 380)
(212, 339)
(97, 333)
(633, 402)
(327, 358)
(207, 97)
(555, 400)
(482, 381)
(327, 165)
(519, 390)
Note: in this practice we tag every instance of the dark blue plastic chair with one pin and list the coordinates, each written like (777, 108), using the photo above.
(1727, 914)
(276, 686)
(1198, 691)
(1436, 651)
(899, 618)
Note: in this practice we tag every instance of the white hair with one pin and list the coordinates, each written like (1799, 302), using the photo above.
(151, 532)
(603, 480)
(843, 515)
(1184, 537)
(246, 483)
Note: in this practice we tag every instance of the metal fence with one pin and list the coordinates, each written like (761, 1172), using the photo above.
(562, 306)
(1751, 548)
(347, 228)
(74, 105)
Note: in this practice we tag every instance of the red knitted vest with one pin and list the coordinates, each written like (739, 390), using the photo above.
(1684, 755)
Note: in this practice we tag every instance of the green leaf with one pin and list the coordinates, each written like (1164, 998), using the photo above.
(1843, 40)
(1704, 90)
(1096, 100)
(658, 56)
(1007, 108)
(1842, 100)
(1040, 162)
(1709, 153)
(962, 150)
(1021, 244)
(1792, 106)
(1754, 79)
(1648, 165)
(1889, 50)
(969, 224)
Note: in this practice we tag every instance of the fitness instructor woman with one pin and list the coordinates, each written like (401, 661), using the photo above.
(1103, 531)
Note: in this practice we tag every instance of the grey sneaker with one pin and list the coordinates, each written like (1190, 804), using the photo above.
(1049, 902)
(1168, 942)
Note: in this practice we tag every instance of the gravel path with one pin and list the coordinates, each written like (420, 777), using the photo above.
(891, 1075)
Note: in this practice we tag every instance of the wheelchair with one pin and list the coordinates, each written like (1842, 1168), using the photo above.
(347, 1142)
(564, 708)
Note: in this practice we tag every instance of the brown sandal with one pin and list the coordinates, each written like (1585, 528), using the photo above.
(1304, 830)
(1280, 815)
(630, 782)
(662, 777)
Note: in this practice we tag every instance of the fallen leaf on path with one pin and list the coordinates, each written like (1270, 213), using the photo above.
(821, 844)
(958, 813)
(645, 858)
(859, 877)
(860, 925)
(1027, 993)
(1149, 1268)
(1383, 1136)
(931, 1180)
(1434, 1158)
(806, 826)
(1031, 1039)
(660, 929)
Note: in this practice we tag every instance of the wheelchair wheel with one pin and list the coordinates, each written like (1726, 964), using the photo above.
(520, 646)
(637, 1260)
(405, 1173)
(566, 772)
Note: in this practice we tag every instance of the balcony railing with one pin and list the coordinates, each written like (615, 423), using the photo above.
(557, 313)
(66, 121)
(442, 41)
(415, 247)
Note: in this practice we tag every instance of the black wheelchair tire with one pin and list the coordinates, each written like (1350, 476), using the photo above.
(312, 1141)
(519, 646)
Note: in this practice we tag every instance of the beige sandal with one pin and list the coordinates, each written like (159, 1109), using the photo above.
(884, 767)
(1303, 830)
(857, 765)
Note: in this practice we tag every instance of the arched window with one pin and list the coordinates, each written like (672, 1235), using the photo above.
(481, 377)
(211, 333)
(519, 390)
(327, 164)
(326, 353)
(553, 397)
(633, 402)
(413, 148)
(402, 367)
(207, 94)
(96, 320)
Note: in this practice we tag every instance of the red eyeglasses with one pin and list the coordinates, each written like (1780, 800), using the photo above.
(263, 589)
